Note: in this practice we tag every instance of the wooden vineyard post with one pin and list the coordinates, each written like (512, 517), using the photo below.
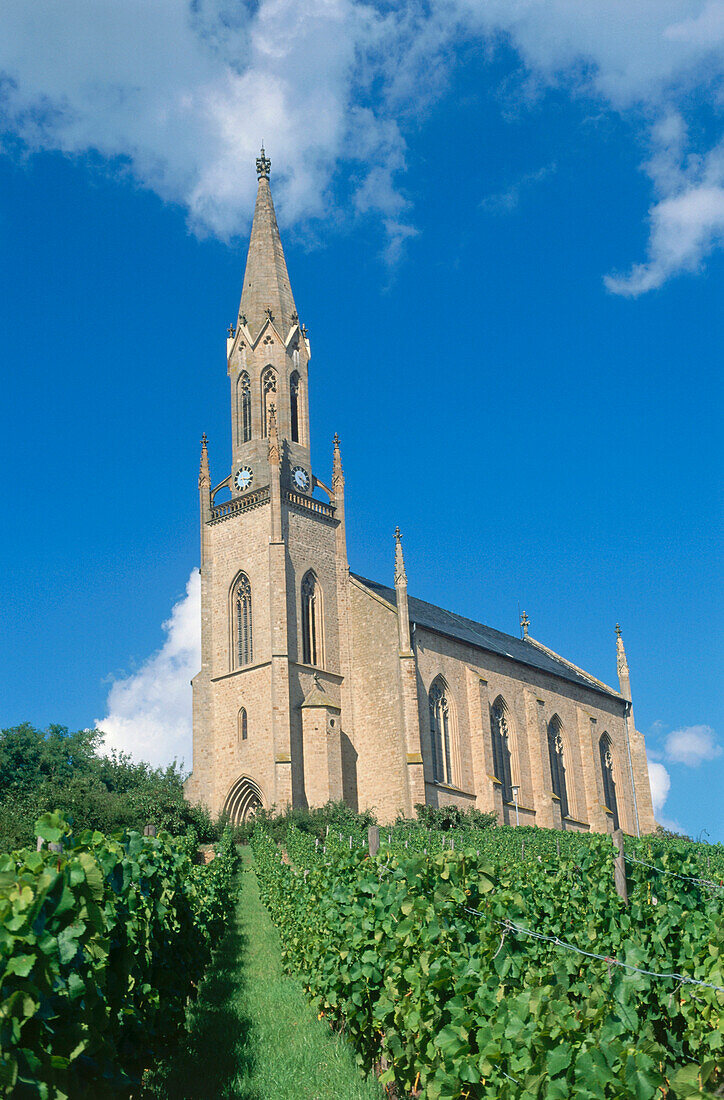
(619, 867)
(373, 839)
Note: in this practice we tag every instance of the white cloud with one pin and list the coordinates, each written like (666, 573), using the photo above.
(692, 746)
(660, 785)
(660, 781)
(504, 201)
(687, 223)
(179, 95)
(149, 711)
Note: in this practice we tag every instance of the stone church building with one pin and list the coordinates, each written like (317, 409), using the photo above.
(317, 683)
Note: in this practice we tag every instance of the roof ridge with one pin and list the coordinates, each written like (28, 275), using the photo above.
(570, 664)
(488, 637)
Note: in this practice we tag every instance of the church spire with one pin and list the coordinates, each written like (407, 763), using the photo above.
(204, 474)
(267, 292)
(337, 472)
(622, 666)
(403, 613)
(204, 494)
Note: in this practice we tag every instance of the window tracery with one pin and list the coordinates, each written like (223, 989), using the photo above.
(268, 387)
(294, 387)
(501, 734)
(556, 757)
(312, 622)
(443, 734)
(609, 784)
(244, 407)
(241, 608)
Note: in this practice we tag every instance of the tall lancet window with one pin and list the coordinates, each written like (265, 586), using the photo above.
(501, 732)
(312, 621)
(556, 757)
(609, 785)
(241, 610)
(294, 383)
(242, 725)
(243, 411)
(268, 398)
(443, 734)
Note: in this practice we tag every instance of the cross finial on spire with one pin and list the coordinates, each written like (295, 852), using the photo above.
(525, 623)
(618, 630)
(263, 165)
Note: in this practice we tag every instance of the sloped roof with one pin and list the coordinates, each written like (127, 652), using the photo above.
(495, 641)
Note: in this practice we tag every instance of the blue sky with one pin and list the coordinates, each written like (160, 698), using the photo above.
(503, 225)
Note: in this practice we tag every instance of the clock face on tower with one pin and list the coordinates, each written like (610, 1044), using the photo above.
(244, 478)
(300, 477)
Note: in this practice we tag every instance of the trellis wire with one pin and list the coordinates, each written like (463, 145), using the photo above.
(686, 878)
(510, 926)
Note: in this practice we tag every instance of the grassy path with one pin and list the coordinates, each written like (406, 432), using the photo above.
(253, 1034)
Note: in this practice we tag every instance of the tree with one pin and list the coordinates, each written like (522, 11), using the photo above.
(55, 769)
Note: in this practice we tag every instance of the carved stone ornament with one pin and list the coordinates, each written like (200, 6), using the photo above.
(263, 165)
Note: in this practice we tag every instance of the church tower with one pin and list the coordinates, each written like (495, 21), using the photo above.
(318, 684)
(267, 699)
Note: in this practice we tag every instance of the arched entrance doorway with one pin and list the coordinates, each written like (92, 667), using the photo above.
(243, 800)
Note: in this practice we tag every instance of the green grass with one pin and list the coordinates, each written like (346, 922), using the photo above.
(252, 1033)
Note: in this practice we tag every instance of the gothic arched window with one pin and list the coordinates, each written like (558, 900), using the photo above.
(268, 390)
(556, 757)
(243, 725)
(609, 785)
(241, 611)
(500, 730)
(294, 384)
(243, 412)
(443, 734)
(312, 622)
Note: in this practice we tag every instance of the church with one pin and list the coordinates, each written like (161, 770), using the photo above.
(317, 683)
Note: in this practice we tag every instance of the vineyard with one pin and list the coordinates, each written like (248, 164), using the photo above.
(503, 963)
(102, 942)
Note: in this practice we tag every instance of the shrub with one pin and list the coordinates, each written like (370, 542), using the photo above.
(101, 945)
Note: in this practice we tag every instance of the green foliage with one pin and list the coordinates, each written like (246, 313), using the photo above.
(413, 954)
(336, 816)
(251, 1034)
(101, 945)
(452, 817)
(57, 770)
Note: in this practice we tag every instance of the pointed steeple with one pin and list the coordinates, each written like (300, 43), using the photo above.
(403, 612)
(204, 474)
(338, 501)
(400, 574)
(267, 292)
(622, 666)
(204, 496)
(337, 472)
